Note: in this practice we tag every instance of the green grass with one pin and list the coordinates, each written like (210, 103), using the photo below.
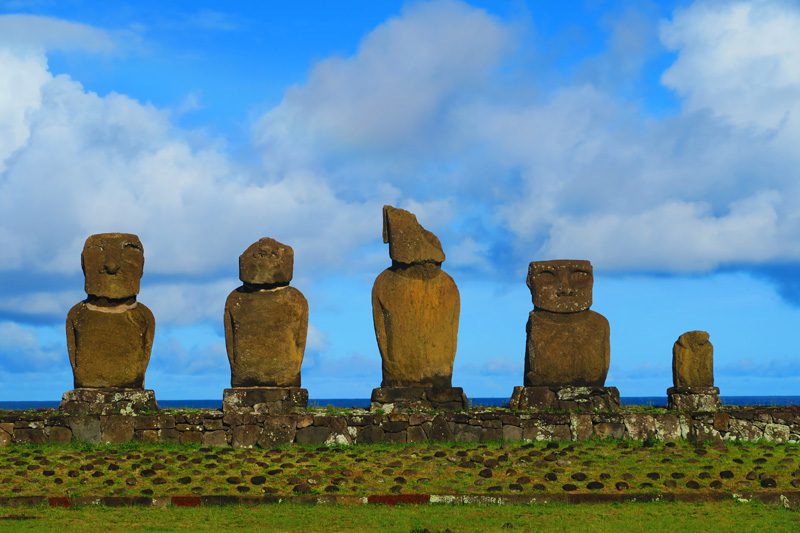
(650, 517)
(593, 466)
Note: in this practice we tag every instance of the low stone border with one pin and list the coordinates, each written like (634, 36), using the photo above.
(788, 499)
(211, 427)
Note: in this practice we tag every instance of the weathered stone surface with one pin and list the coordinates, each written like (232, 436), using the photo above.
(112, 265)
(693, 360)
(408, 241)
(390, 399)
(580, 399)
(561, 285)
(116, 429)
(415, 307)
(266, 262)
(109, 401)
(693, 399)
(567, 344)
(263, 400)
(110, 334)
(415, 311)
(313, 435)
(265, 335)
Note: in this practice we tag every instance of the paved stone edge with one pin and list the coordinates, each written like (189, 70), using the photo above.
(788, 499)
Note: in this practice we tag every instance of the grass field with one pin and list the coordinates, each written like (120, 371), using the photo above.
(596, 467)
(650, 517)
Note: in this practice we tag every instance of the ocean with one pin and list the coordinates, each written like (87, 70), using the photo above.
(656, 401)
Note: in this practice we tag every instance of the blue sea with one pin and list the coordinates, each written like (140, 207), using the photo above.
(656, 401)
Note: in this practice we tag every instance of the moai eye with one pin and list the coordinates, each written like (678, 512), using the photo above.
(579, 274)
(546, 274)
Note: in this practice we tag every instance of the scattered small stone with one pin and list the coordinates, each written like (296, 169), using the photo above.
(243, 488)
(159, 481)
(726, 474)
(515, 487)
(716, 484)
(692, 484)
(486, 472)
(185, 480)
(258, 480)
(569, 487)
(670, 483)
(653, 475)
(550, 477)
(621, 485)
(538, 486)
(147, 472)
(678, 475)
(704, 475)
(594, 485)
(302, 488)
(331, 488)
(578, 476)
(769, 483)
(751, 476)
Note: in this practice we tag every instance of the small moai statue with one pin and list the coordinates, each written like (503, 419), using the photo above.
(266, 322)
(567, 351)
(415, 310)
(110, 334)
(693, 374)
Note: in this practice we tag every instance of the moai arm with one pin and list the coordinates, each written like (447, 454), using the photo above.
(71, 341)
(228, 321)
(528, 378)
(379, 321)
(149, 333)
(302, 327)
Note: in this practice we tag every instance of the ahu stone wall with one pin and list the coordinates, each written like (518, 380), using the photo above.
(317, 427)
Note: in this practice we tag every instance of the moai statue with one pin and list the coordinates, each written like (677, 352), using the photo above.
(567, 351)
(415, 309)
(693, 374)
(266, 322)
(110, 334)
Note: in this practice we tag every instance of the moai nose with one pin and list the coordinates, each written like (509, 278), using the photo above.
(111, 264)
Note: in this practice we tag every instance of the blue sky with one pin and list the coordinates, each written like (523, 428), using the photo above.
(659, 140)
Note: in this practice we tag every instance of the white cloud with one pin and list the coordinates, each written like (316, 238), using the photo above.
(741, 60)
(45, 33)
(22, 351)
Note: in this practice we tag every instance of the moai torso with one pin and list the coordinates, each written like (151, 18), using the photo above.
(415, 307)
(693, 360)
(567, 344)
(110, 334)
(266, 320)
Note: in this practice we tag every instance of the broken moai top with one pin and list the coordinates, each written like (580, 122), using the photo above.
(266, 320)
(567, 344)
(415, 307)
(110, 334)
(409, 242)
(693, 361)
(266, 262)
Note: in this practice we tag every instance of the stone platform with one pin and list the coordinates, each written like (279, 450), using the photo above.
(264, 400)
(693, 399)
(419, 398)
(108, 401)
(580, 399)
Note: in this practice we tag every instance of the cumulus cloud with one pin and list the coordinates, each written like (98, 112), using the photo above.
(21, 350)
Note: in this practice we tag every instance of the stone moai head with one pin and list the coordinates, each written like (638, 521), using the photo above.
(409, 242)
(562, 285)
(112, 265)
(266, 262)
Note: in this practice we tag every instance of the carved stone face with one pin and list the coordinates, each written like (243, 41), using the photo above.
(561, 286)
(112, 265)
(266, 262)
